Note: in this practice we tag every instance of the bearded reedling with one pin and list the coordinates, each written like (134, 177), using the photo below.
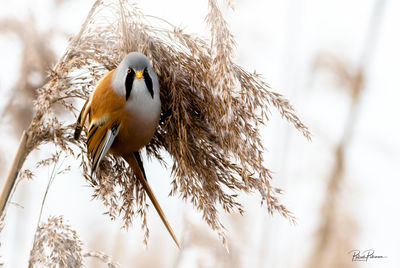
(124, 112)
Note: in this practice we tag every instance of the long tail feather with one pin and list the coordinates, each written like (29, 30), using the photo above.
(139, 174)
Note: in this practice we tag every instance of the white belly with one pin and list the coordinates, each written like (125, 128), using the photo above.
(143, 116)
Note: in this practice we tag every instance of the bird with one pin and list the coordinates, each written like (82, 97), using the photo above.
(123, 113)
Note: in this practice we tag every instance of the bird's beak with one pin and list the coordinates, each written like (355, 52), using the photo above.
(139, 74)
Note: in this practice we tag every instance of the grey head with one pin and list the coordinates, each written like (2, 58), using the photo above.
(134, 75)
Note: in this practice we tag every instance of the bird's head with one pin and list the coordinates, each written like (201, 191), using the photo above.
(135, 66)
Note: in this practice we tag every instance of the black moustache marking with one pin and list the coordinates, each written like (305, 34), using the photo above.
(149, 83)
(129, 83)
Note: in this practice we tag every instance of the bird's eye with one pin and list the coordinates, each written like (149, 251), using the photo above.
(129, 70)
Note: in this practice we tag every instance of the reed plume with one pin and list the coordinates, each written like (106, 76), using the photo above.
(338, 228)
(37, 56)
(212, 109)
(56, 244)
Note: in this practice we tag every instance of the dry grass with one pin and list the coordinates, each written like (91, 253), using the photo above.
(56, 245)
(213, 107)
(102, 257)
(209, 252)
(337, 230)
(37, 56)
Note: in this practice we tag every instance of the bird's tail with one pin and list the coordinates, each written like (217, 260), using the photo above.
(139, 174)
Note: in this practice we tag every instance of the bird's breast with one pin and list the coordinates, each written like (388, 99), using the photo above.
(140, 120)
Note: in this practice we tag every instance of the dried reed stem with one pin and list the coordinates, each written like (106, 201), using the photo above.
(16, 165)
(328, 238)
(25, 145)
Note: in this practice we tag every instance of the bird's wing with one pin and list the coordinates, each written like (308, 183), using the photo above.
(102, 108)
(105, 109)
(100, 138)
(82, 118)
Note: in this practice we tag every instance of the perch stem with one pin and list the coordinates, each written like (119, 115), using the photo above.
(24, 147)
(19, 159)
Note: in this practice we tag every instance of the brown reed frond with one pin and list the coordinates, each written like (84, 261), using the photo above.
(37, 56)
(215, 111)
(334, 232)
(346, 77)
(102, 257)
(56, 245)
(337, 229)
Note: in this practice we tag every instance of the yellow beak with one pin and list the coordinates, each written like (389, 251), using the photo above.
(139, 74)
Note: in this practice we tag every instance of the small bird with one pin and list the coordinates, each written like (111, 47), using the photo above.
(123, 113)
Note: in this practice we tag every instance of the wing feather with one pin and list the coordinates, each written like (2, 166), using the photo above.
(100, 140)
(100, 109)
(82, 118)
